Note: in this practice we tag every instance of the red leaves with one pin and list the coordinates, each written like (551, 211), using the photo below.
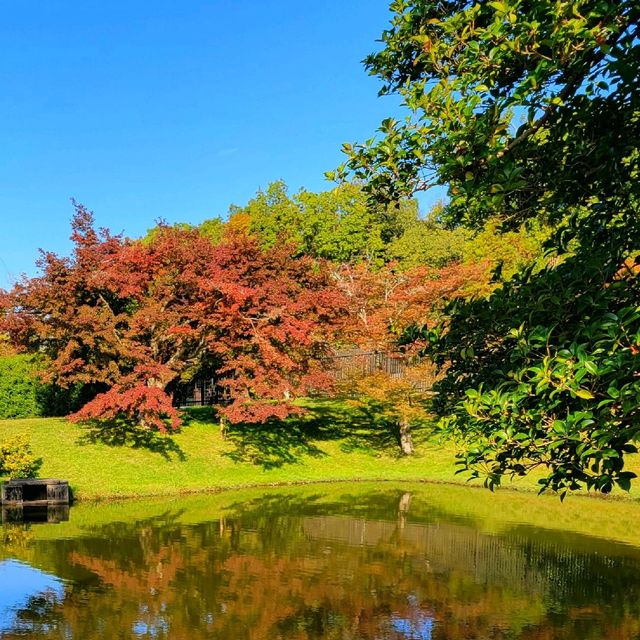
(149, 407)
(136, 317)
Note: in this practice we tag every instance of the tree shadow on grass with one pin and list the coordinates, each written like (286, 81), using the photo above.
(272, 444)
(117, 433)
(358, 428)
(207, 414)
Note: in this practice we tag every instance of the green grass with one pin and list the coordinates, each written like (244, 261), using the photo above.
(331, 443)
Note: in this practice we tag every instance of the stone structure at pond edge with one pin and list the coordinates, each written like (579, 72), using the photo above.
(35, 492)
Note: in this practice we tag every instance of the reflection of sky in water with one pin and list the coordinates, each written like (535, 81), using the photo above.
(18, 583)
(151, 629)
(420, 628)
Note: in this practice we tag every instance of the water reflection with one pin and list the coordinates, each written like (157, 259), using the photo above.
(52, 513)
(26, 597)
(387, 565)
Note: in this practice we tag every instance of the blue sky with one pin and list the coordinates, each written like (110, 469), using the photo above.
(144, 110)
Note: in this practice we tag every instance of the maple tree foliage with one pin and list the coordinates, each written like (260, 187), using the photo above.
(135, 318)
(283, 314)
(386, 304)
(388, 301)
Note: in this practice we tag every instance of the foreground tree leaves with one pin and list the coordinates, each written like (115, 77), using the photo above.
(133, 319)
(511, 105)
(529, 113)
(546, 372)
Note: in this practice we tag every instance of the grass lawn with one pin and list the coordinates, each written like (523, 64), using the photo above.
(332, 442)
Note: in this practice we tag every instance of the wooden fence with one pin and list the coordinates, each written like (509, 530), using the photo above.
(343, 365)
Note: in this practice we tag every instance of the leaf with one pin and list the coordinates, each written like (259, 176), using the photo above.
(591, 367)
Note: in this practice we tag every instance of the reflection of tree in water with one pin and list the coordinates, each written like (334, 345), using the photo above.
(14, 536)
(264, 573)
(41, 614)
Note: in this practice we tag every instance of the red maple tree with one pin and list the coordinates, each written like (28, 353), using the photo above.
(134, 318)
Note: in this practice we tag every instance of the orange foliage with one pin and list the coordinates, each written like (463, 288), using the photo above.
(386, 302)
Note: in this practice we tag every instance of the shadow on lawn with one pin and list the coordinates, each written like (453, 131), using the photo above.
(276, 443)
(116, 433)
(270, 445)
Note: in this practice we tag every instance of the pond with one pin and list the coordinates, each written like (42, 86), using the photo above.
(363, 562)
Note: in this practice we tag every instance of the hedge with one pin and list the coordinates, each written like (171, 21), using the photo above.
(22, 395)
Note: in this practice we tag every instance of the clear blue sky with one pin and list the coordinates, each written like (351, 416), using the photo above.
(144, 110)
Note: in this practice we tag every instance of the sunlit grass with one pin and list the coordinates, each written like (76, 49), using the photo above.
(330, 444)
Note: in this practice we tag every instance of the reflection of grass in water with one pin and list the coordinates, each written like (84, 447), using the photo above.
(493, 513)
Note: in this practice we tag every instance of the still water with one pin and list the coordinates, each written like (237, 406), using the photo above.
(336, 562)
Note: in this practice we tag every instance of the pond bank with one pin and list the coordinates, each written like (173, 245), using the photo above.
(200, 460)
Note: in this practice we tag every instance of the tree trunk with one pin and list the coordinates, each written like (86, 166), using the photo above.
(224, 426)
(155, 383)
(406, 441)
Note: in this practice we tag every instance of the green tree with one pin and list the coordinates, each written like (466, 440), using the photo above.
(273, 216)
(429, 242)
(213, 229)
(337, 224)
(506, 252)
(529, 113)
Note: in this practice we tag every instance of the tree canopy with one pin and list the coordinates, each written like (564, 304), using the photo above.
(527, 111)
(337, 225)
(133, 319)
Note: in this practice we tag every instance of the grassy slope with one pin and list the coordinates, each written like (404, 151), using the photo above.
(305, 450)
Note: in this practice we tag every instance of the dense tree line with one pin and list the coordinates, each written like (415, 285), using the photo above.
(343, 226)
(253, 301)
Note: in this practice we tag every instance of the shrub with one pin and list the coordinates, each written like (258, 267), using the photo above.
(22, 395)
(17, 459)
(18, 387)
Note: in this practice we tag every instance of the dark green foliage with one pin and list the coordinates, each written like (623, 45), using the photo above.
(56, 401)
(18, 387)
(546, 371)
(529, 112)
(22, 395)
(17, 459)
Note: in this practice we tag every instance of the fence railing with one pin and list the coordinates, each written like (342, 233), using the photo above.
(349, 363)
(201, 392)
(342, 365)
